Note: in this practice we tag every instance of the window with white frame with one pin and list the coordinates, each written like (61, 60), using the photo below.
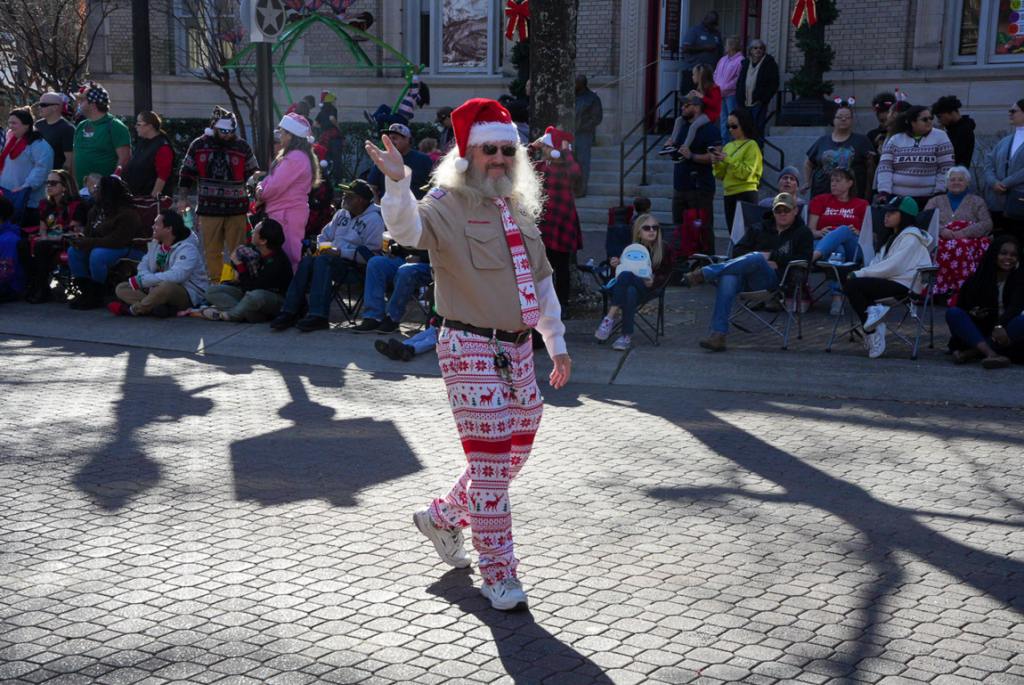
(455, 36)
(205, 32)
(987, 32)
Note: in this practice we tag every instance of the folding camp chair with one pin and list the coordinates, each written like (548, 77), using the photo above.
(348, 292)
(767, 306)
(654, 329)
(916, 306)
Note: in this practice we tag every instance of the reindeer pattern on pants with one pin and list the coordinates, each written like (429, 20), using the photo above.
(496, 424)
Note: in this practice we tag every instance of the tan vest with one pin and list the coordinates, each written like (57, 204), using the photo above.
(474, 280)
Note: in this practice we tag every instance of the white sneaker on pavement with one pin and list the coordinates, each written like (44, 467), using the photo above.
(605, 329)
(505, 595)
(448, 543)
(876, 313)
(836, 307)
(622, 343)
(876, 342)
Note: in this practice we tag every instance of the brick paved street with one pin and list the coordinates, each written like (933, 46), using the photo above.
(173, 517)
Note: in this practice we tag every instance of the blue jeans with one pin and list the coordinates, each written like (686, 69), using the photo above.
(95, 263)
(729, 104)
(628, 293)
(423, 341)
(842, 239)
(382, 271)
(742, 274)
(316, 274)
(839, 239)
(965, 330)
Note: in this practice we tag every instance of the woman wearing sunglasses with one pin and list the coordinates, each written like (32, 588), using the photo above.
(629, 290)
(915, 159)
(739, 164)
(61, 215)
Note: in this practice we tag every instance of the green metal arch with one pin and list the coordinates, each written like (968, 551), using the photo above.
(288, 37)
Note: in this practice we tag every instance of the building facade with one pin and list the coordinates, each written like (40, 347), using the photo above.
(629, 49)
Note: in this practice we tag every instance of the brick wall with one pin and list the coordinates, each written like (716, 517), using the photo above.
(597, 37)
(869, 34)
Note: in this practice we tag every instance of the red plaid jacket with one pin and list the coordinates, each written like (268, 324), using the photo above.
(559, 223)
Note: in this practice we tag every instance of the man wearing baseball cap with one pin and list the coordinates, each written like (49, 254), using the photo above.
(766, 249)
(354, 235)
(55, 129)
(421, 164)
(492, 288)
(102, 141)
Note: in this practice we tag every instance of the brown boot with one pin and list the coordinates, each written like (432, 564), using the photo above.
(695, 277)
(714, 342)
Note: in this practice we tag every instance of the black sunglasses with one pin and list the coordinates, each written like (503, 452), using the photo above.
(506, 150)
(733, 126)
(650, 227)
(53, 183)
(1014, 110)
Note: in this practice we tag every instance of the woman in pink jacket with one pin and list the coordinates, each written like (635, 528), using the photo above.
(285, 191)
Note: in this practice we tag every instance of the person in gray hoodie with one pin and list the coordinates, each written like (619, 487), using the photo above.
(171, 276)
(352, 238)
(891, 273)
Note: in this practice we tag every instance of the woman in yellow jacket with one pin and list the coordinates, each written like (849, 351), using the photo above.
(739, 164)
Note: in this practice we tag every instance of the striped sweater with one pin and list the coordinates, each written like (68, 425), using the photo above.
(915, 167)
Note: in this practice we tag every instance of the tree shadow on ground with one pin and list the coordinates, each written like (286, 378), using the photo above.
(318, 457)
(121, 470)
(888, 531)
(528, 652)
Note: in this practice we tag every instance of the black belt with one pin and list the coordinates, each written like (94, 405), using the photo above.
(504, 336)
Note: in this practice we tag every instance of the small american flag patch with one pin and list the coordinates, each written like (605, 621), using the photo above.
(437, 193)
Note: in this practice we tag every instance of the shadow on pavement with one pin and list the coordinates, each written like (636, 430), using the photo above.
(318, 457)
(528, 652)
(888, 531)
(121, 470)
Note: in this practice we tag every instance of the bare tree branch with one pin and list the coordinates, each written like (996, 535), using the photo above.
(212, 35)
(46, 44)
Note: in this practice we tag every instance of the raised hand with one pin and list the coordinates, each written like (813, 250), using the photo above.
(389, 160)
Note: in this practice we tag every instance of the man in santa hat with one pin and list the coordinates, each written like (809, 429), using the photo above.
(492, 287)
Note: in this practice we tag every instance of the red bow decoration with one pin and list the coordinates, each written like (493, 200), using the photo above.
(808, 8)
(518, 14)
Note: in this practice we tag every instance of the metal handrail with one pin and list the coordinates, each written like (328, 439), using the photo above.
(623, 152)
(779, 101)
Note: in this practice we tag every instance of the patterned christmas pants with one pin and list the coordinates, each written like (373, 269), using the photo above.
(496, 423)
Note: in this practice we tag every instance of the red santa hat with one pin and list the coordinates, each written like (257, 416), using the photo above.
(297, 125)
(554, 137)
(478, 121)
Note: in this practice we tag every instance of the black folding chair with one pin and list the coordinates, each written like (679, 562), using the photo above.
(917, 305)
(654, 329)
(349, 291)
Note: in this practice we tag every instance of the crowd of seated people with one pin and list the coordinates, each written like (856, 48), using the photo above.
(117, 243)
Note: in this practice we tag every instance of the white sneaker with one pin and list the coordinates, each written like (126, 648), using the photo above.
(505, 595)
(876, 313)
(876, 342)
(605, 329)
(448, 543)
(622, 343)
(837, 307)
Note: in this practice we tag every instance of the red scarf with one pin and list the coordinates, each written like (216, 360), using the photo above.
(14, 147)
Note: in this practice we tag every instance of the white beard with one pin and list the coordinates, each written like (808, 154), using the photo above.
(520, 183)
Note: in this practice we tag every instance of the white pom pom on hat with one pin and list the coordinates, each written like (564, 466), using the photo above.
(478, 121)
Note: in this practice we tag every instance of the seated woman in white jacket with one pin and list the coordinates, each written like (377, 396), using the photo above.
(891, 273)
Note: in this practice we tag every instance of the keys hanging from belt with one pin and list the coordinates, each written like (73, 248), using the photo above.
(502, 362)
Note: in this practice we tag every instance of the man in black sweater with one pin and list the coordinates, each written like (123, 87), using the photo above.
(765, 250)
